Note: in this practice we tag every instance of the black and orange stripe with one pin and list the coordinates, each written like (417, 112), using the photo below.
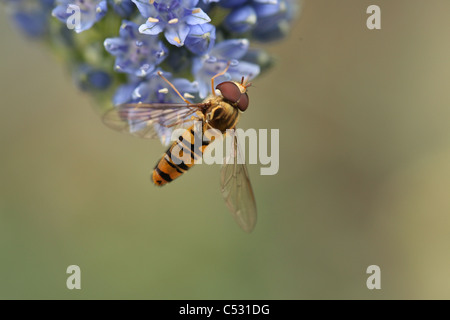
(173, 164)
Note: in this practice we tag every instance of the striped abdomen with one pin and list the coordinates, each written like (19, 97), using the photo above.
(180, 156)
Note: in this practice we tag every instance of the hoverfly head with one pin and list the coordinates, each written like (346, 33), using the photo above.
(234, 93)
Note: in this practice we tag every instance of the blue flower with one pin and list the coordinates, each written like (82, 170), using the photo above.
(122, 7)
(231, 3)
(154, 89)
(274, 19)
(228, 51)
(173, 17)
(201, 38)
(90, 11)
(210, 1)
(241, 19)
(89, 78)
(135, 53)
(124, 92)
(267, 19)
(31, 16)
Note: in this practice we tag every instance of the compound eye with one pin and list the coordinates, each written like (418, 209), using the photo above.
(230, 91)
(243, 102)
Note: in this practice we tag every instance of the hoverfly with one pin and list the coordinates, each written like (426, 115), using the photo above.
(220, 111)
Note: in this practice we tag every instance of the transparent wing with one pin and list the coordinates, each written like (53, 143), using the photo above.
(151, 120)
(237, 190)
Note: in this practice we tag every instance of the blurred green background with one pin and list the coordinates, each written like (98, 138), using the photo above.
(364, 119)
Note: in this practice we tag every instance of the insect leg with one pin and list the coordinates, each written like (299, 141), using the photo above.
(218, 75)
(173, 87)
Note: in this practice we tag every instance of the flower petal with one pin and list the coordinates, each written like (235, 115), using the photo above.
(241, 19)
(151, 28)
(145, 8)
(176, 35)
(184, 85)
(199, 17)
(244, 69)
(123, 94)
(201, 38)
(231, 49)
(115, 46)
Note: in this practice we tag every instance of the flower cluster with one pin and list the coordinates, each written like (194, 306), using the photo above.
(117, 46)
